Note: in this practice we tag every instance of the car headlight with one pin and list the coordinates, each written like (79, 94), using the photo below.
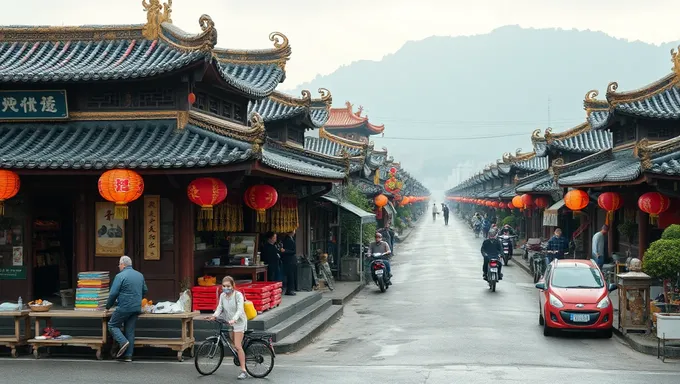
(604, 303)
(555, 302)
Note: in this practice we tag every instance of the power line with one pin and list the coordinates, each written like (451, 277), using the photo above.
(455, 138)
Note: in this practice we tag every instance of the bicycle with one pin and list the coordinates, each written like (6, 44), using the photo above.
(257, 348)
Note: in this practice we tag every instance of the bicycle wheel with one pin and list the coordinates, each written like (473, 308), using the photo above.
(208, 357)
(259, 359)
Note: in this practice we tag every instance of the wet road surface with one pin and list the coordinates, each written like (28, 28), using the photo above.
(437, 324)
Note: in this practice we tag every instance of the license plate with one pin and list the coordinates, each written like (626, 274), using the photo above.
(379, 272)
(494, 270)
(580, 318)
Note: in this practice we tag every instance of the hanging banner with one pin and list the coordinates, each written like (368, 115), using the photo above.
(151, 220)
(109, 231)
(33, 105)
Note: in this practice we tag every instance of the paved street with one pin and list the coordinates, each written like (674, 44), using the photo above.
(437, 324)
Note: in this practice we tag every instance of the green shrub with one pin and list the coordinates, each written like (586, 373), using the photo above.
(671, 233)
(662, 259)
(510, 220)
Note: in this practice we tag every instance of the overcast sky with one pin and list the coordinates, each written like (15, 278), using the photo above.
(326, 34)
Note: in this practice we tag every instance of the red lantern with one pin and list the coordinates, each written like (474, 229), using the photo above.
(260, 198)
(576, 200)
(527, 201)
(541, 202)
(207, 192)
(120, 186)
(654, 204)
(517, 202)
(393, 170)
(380, 201)
(191, 98)
(9, 187)
(610, 202)
(502, 205)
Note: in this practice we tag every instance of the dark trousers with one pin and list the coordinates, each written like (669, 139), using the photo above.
(273, 272)
(127, 320)
(446, 219)
(290, 273)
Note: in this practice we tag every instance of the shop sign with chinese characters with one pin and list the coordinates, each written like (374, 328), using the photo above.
(151, 227)
(33, 105)
(12, 273)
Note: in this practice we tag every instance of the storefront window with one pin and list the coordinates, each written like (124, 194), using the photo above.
(12, 252)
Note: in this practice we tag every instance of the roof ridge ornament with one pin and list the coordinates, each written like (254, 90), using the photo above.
(280, 40)
(257, 125)
(156, 14)
(612, 87)
(536, 135)
(643, 152)
(675, 57)
(326, 96)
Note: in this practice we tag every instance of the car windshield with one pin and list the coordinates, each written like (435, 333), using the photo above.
(576, 278)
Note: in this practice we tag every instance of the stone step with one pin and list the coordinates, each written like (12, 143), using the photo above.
(293, 323)
(309, 331)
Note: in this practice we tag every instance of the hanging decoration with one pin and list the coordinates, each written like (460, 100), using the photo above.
(392, 184)
(502, 205)
(541, 202)
(576, 200)
(9, 187)
(517, 202)
(380, 200)
(654, 204)
(527, 201)
(610, 202)
(260, 198)
(283, 216)
(191, 98)
(227, 217)
(120, 186)
(207, 192)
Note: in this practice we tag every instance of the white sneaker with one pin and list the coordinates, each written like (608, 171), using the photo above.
(242, 376)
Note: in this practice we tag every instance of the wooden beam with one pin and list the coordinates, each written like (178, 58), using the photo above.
(142, 171)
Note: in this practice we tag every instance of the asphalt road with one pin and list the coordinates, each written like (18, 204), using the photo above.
(438, 323)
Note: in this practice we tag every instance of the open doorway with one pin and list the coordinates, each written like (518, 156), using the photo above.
(52, 247)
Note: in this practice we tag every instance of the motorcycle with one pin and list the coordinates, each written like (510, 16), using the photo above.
(532, 245)
(379, 271)
(506, 243)
(492, 276)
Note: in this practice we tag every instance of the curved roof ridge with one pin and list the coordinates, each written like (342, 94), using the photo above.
(668, 81)
(345, 117)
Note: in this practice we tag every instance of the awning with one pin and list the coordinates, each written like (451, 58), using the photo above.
(550, 215)
(366, 217)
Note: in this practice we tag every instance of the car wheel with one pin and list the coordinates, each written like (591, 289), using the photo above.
(541, 320)
(547, 331)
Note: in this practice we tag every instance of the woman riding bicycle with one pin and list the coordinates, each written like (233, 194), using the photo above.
(230, 310)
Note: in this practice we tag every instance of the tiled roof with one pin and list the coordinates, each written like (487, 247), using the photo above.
(663, 105)
(668, 164)
(97, 53)
(115, 144)
(346, 118)
(279, 106)
(591, 141)
(534, 164)
(300, 165)
(598, 119)
(539, 182)
(328, 147)
(622, 167)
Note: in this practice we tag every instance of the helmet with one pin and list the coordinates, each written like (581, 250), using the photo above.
(492, 233)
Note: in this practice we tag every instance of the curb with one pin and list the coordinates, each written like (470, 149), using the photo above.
(671, 352)
(349, 297)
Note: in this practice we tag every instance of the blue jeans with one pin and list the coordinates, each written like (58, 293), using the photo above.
(598, 260)
(128, 320)
(388, 267)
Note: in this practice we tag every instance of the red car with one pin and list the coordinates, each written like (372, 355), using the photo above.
(574, 296)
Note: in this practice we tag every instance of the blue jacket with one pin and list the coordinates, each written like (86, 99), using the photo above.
(129, 289)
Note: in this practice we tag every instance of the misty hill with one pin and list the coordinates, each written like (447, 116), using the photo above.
(508, 82)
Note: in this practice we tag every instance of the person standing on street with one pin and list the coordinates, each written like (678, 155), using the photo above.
(289, 262)
(128, 289)
(445, 211)
(598, 245)
(434, 212)
(558, 245)
(270, 256)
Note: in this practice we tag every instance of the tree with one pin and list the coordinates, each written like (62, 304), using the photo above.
(350, 223)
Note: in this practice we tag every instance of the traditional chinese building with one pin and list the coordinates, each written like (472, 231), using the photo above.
(346, 123)
(169, 106)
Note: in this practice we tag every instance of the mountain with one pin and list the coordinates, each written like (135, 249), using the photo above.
(433, 93)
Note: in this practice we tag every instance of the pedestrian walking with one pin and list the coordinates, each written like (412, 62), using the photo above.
(598, 245)
(289, 262)
(445, 211)
(127, 291)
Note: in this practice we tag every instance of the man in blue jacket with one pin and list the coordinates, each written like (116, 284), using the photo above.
(128, 289)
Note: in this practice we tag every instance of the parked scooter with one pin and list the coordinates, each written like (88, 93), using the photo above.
(532, 245)
(492, 273)
(379, 270)
(506, 243)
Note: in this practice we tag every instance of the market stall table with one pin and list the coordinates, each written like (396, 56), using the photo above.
(236, 270)
(94, 342)
(18, 339)
(186, 341)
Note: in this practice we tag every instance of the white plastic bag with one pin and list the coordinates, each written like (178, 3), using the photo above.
(185, 301)
(168, 307)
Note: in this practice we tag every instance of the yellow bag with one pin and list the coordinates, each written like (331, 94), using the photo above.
(249, 308)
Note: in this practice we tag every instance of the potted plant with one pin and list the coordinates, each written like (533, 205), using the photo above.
(662, 260)
(627, 230)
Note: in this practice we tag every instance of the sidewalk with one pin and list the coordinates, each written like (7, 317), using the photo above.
(647, 344)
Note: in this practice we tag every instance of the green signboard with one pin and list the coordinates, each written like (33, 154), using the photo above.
(33, 105)
(12, 273)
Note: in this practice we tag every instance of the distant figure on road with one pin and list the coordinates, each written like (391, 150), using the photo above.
(128, 289)
(445, 211)
(434, 212)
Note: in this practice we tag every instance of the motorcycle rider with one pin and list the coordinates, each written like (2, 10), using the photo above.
(380, 246)
(491, 247)
(509, 231)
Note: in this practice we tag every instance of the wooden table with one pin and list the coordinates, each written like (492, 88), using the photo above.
(17, 339)
(186, 341)
(94, 342)
(236, 270)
